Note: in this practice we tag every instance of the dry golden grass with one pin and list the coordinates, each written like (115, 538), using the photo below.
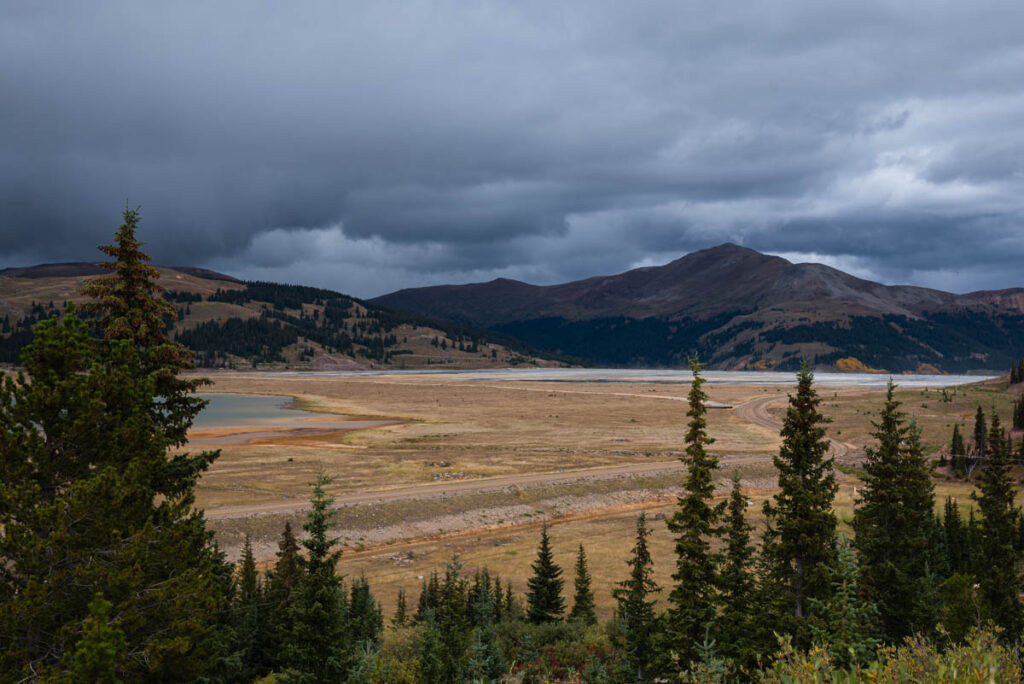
(487, 428)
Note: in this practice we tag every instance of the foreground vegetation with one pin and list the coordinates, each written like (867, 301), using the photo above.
(108, 574)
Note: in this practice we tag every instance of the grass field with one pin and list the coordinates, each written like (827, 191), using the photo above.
(487, 429)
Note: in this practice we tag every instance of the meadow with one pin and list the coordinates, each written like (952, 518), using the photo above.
(475, 467)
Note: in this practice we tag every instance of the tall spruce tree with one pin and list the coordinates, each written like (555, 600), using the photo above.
(957, 450)
(798, 550)
(129, 308)
(92, 499)
(544, 589)
(955, 539)
(316, 649)
(635, 609)
(980, 434)
(583, 599)
(736, 581)
(894, 526)
(696, 523)
(249, 616)
(1018, 413)
(998, 569)
(281, 586)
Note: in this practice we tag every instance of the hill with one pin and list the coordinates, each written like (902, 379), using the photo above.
(740, 309)
(231, 323)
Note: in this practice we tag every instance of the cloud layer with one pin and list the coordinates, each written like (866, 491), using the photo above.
(373, 146)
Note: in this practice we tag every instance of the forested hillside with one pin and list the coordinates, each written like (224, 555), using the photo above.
(230, 323)
(740, 309)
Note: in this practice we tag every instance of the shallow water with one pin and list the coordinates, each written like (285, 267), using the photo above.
(240, 410)
(623, 375)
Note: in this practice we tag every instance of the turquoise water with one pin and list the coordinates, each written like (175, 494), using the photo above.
(231, 410)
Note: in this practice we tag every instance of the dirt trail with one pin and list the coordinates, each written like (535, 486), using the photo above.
(456, 488)
(756, 411)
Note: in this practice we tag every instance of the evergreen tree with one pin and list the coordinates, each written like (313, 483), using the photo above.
(485, 661)
(957, 450)
(980, 431)
(365, 618)
(130, 308)
(955, 538)
(92, 500)
(315, 649)
(1018, 413)
(583, 600)
(798, 547)
(453, 622)
(430, 658)
(281, 586)
(894, 526)
(849, 620)
(430, 595)
(695, 521)
(736, 581)
(400, 617)
(99, 655)
(544, 589)
(998, 571)
(249, 616)
(636, 608)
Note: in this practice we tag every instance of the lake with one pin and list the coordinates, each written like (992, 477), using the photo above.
(659, 376)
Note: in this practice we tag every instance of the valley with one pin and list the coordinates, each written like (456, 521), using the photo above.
(474, 463)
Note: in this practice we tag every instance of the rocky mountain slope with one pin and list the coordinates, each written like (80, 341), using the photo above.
(738, 308)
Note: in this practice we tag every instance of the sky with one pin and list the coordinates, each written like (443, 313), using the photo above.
(372, 146)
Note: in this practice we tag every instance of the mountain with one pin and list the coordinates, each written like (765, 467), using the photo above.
(231, 323)
(738, 308)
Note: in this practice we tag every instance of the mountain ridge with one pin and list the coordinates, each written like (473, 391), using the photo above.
(729, 286)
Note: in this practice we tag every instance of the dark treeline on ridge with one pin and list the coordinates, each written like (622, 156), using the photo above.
(107, 573)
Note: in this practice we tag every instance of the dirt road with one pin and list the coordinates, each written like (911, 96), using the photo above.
(756, 411)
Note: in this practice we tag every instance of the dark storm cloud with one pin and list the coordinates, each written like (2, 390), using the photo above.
(374, 146)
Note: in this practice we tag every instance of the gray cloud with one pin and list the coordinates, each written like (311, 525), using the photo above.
(385, 145)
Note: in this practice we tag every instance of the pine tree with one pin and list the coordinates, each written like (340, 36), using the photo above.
(130, 308)
(1018, 413)
(364, 617)
(315, 649)
(736, 581)
(894, 526)
(636, 607)
(583, 600)
(430, 657)
(695, 521)
(453, 622)
(544, 589)
(957, 451)
(980, 431)
(249, 616)
(99, 655)
(849, 620)
(400, 617)
(281, 586)
(92, 500)
(955, 538)
(998, 571)
(485, 660)
(798, 547)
